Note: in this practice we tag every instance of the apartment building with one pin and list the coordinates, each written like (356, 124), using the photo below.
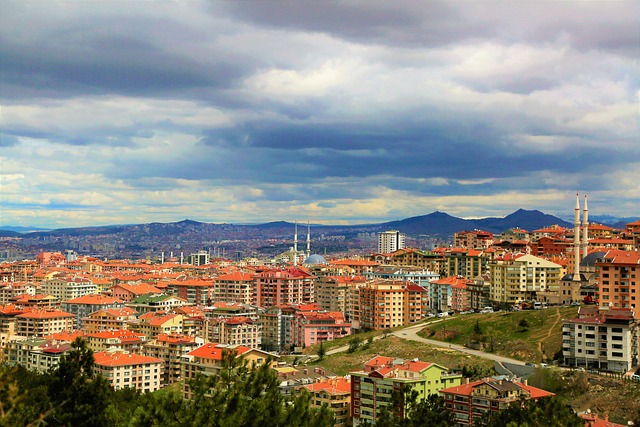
(467, 263)
(154, 323)
(67, 288)
(129, 291)
(601, 339)
(476, 239)
(390, 241)
(82, 306)
(170, 348)
(195, 291)
(277, 287)
(153, 302)
(110, 319)
(129, 341)
(36, 354)
(238, 287)
(40, 323)
(524, 278)
(123, 369)
(335, 394)
(383, 304)
(311, 327)
(411, 257)
(207, 360)
(235, 331)
(333, 293)
(618, 276)
(276, 328)
(469, 402)
(372, 388)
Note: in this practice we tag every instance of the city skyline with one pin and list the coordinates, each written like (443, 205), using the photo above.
(333, 112)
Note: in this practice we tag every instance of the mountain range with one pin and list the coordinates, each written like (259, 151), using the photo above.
(434, 224)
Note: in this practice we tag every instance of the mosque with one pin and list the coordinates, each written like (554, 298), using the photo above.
(300, 257)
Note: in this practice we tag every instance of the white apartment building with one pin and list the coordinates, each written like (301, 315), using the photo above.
(123, 369)
(523, 278)
(390, 241)
(606, 340)
(68, 288)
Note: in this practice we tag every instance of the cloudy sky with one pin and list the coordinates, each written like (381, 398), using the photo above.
(330, 111)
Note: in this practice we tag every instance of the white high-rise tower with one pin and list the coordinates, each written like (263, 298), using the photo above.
(390, 241)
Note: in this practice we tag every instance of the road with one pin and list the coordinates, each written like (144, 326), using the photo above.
(411, 333)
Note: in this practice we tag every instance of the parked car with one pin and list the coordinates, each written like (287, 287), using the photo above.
(635, 377)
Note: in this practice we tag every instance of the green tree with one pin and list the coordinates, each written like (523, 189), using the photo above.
(477, 329)
(354, 344)
(238, 395)
(321, 351)
(79, 396)
(409, 411)
(524, 325)
(24, 397)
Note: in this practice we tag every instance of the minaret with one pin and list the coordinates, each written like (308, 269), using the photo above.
(162, 258)
(295, 245)
(308, 253)
(585, 229)
(576, 241)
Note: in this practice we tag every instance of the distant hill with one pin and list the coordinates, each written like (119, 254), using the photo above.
(9, 233)
(440, 223)
(434, 224)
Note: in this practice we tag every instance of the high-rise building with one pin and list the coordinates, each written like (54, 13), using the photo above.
(390, 241)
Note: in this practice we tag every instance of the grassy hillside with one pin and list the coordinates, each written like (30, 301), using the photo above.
(532, 335)
(392, 346)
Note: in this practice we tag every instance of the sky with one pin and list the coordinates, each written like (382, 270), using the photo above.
(335, 112)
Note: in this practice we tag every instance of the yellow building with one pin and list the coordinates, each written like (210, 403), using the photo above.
(335, 393)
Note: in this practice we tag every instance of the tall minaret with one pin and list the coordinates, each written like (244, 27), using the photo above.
(576, 241)
(295, 245)
(585, 229)
(308, 253)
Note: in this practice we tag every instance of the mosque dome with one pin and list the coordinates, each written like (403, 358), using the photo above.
(315, 260)
(590, 260)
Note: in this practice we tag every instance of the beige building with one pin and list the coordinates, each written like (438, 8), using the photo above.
(40, 323)
(123, 369)
(335, 394)
(524, 278)
(170, 348)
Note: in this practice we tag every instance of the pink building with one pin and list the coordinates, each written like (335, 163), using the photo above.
(284, 286)
(311, 327)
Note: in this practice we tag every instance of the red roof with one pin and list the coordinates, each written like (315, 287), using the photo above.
(45, 314)
(331, 386)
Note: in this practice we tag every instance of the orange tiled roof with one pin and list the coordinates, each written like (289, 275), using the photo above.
(94, 299)
(65, 336)
(45, 314)
(104, 358)
(214, 351)
(331, 386)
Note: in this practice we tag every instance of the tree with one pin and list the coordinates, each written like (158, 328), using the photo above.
(354, 343)
(544, 412)
(321, 351)
(407, 411)
(79, 396)
(238, 395)
(524, 324)
(477, 329)
(24, 398)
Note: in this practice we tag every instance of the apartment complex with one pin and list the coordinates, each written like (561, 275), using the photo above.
(123, 369)
(335, 394)
(524, 278)
(469, 402)
(372, 388)
(618, 275)
(601, 339)
(40, 323)
(277, 287)
(383, 304)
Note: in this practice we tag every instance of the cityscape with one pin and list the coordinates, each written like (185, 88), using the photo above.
(174, 315)
(285, 213)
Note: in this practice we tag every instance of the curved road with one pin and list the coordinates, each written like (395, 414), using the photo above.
(411, 333)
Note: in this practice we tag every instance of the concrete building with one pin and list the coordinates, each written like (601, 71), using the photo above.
(277, 287)
(311, 327)
(601, 339)
(83, 306)
(335, 394)
(238, 287)
(67, 288)
(524, 278)
(618, 275)
(469, 402)
(476, 239)
(123, 369)
(383, 304)
(170, 348)
(195, 291)
(372, 388)
(390, 241)
(40, 323)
